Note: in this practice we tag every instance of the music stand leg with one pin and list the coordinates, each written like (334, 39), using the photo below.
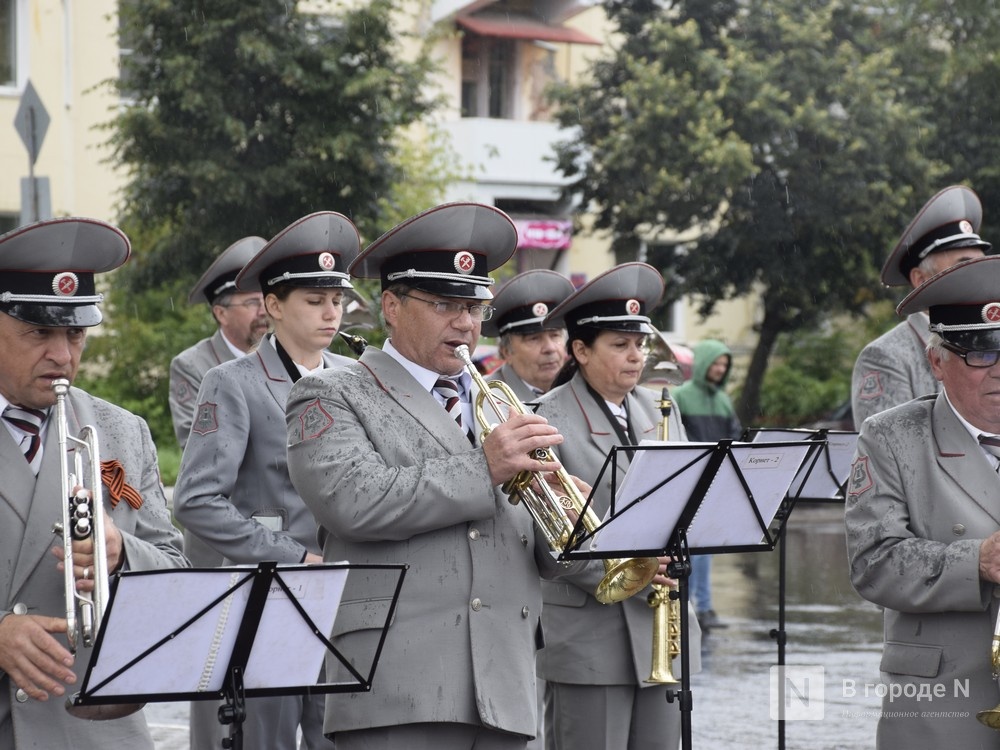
(679, 570)
(234, 712)
(779, 634)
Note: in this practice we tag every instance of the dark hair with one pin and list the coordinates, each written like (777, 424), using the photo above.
(585, 334)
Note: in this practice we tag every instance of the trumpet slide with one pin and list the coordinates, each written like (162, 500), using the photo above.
(550, 509)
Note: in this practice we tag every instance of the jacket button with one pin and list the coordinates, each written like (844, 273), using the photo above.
(473, 534)
(525, 612)
(477, 604)
(524, 540)
(20, 609)
(958, 529)
(20, 696)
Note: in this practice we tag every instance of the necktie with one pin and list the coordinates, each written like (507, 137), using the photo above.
(28, 421)
(448, 390)
(991, 444)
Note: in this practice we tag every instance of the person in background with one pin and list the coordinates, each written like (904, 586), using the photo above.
(923, 522)
(233, 489)
(241, 322)
(708, 416)
(532, 353)
(597, 657)
(893, 368)
(47, 302)
(388, 456)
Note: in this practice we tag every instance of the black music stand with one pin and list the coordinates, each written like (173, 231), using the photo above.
(228, 634)
(822, 480)
(682, 499)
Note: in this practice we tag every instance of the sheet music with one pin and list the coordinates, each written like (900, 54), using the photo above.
(818, 479)
(725, 517)
(151, 605)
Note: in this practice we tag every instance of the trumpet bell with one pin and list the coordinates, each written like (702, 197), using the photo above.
(990, 717)
(106, 712)
(625, 577)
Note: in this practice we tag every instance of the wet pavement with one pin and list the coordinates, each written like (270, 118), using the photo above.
(833, 640)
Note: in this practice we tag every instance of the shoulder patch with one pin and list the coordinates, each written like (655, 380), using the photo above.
(182, 391)
(205, 419)
(861, 478)
(871, 385)
(314, 420)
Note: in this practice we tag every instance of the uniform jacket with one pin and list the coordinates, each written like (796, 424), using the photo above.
(922, 497)
(393, 480)
(587, 642)
(28, 575)
(892, 369)
(521, 389)
(233, 490)
(186, 372)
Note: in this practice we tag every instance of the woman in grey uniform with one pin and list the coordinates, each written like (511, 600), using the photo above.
(233, 489)
(597, 656)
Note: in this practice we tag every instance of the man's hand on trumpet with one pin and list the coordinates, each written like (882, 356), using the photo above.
(83, 556)
(32, 658)
(510, 445)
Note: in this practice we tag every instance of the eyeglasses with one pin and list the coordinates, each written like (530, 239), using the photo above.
(248, 304)
(453, 309)
(974, 357)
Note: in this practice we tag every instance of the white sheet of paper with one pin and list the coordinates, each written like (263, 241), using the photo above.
(822, 482)
(149, 606)
(725, 517)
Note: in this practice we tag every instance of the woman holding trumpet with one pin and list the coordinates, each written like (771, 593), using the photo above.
(597, 657)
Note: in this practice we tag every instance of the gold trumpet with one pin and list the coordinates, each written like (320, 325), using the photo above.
(549, 509)
(664, 599)
(83, 518)
(991, 716)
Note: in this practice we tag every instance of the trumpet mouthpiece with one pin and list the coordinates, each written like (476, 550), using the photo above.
(462, 352)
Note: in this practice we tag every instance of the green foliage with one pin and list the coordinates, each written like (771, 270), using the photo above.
(775, 130)
(247, 116)
(811, 375)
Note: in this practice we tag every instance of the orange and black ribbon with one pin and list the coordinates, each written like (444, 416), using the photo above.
(113, 477)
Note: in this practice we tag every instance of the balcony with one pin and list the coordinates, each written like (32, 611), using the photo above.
(511, 159)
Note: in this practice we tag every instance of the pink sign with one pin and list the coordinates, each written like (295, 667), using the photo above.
(544, 234)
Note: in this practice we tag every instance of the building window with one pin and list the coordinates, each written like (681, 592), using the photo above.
(487, 77)
(8, 43)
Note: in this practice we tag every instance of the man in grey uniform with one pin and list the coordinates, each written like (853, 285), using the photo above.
(923, 522)
(893, 368)
(385, 453)
(532, 351)
(241, 320)
(47, 302)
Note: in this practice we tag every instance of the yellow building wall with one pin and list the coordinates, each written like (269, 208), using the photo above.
(71, 48)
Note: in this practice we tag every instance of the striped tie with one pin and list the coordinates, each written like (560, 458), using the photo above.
(448, 390)
(991, 444)
(28, 421)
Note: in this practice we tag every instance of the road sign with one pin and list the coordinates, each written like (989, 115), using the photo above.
(31, 122)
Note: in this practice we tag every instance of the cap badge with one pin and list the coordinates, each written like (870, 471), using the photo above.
(965, 226)
(65, 284)
(540, 309)
(327, 261)
(632, 307)
(991, 312)
(465, 262)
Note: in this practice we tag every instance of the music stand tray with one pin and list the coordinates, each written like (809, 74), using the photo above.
(226, 633)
